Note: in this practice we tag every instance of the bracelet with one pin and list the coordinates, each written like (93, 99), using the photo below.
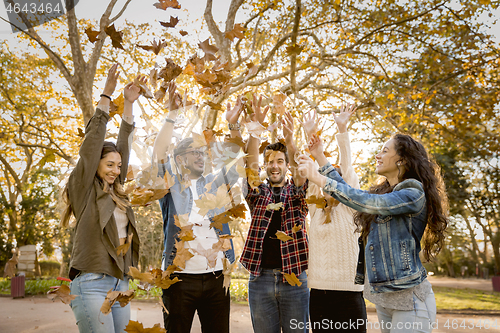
(234, 127)
(169, 120)
(104, 95)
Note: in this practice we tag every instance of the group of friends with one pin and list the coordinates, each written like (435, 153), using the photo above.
(359, 244)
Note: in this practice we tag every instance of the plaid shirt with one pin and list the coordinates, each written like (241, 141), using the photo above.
(293, 252)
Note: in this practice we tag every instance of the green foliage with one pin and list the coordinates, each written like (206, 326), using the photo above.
(239, 290)
(461, 299)
(49, 268)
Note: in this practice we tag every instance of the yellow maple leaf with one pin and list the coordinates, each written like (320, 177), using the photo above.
(211, 201)
(282, 236)
(292, 279)
(296, 228)
(274, 206)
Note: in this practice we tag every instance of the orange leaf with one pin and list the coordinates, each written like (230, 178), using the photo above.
(263, 146)
(116, 36)
(164, 4)
(182, 255)
(296, 228)
(183, 33)
(144, 277)
(170, 71)
(171, 24)
(154, 47)
(92, 34)
(238, 32)
(123, 249)
(123, 297)
(116, 106)
(210, 50)
(137, 327)
(63, 293)
(319, 201)
(253, 177)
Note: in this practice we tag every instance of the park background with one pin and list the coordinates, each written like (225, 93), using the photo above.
(426, 68)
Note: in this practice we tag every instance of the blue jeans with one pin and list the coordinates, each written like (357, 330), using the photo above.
(420, 319)
(276, 305)
(91, 289)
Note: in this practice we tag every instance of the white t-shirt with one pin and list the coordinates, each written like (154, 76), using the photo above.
(205, 237)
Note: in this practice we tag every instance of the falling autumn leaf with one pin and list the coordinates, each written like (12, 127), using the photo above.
(238, 32)
(164, 4)
(296, 228)
(155, 47)
(170, 24)
(211, 201)
(275, 206)
(136, 327)
(181, 255)
(253, 177)
(292, 279)
(92, 34)
(236, 140)
(116, 106)
(63, 293)
(81, 133)
(116, 36)
(123, 249)
(278, 100)
(294, 50)
(186, 232)
(255, 129)
(198, 141)
(183, 33)
(123, 297)
(210, 254)
(210, 50)
(170, 71)
(282, 236)
(320, 202)
(226, 271)
(136, 274)
(263, 146)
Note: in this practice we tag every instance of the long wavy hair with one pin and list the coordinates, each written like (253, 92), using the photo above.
(416, 165)
(116, 191)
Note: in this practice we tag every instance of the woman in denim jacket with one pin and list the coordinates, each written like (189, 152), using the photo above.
(405, 209)
(104, 217)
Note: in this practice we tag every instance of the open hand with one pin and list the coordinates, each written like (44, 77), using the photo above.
(309, 123)
(346, 111)
(260, 116)
(233, 114)
(110, 85)
(132, 91)
(288, 126)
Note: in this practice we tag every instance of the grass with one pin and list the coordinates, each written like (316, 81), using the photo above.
(461, 299)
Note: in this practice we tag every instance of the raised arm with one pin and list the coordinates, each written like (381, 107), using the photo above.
(164, 137)
(252, 160)
(344, 144)
(82, 176)
(124, 141)
(288, 128)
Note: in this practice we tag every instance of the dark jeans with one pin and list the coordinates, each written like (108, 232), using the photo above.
(197, 292)
(332, 310)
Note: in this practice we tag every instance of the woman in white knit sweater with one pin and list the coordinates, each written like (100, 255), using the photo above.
(336, 303)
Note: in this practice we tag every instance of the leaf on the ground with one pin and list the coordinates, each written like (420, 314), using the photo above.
(170, 71)
(164, 4)
(181, 255)
(170, 24)
(116, 106)
(282, 236)
(292, 279)
(123, 249)
(253, 177)
(183, 33)
(211, 201)
(210, 50)
(137, 327)
(63, 293)
(238, 32)
(155, 47)
(136, 274)
(296, 228)
(116, 36)
(275, 206)
(92, 34)
(144, 88)
(278, 103)
(320, 202)
(123, 297)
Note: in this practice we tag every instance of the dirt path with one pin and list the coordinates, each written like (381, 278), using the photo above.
(480, 284)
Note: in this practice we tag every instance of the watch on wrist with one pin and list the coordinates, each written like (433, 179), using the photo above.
(234, 127)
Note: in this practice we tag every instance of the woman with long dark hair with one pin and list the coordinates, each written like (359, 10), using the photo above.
(403, 213)
(106, 242)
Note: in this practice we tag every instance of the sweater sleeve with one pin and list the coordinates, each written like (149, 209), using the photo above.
(348, 173)
(123, 144)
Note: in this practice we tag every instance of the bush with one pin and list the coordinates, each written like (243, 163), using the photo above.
(49, 268)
